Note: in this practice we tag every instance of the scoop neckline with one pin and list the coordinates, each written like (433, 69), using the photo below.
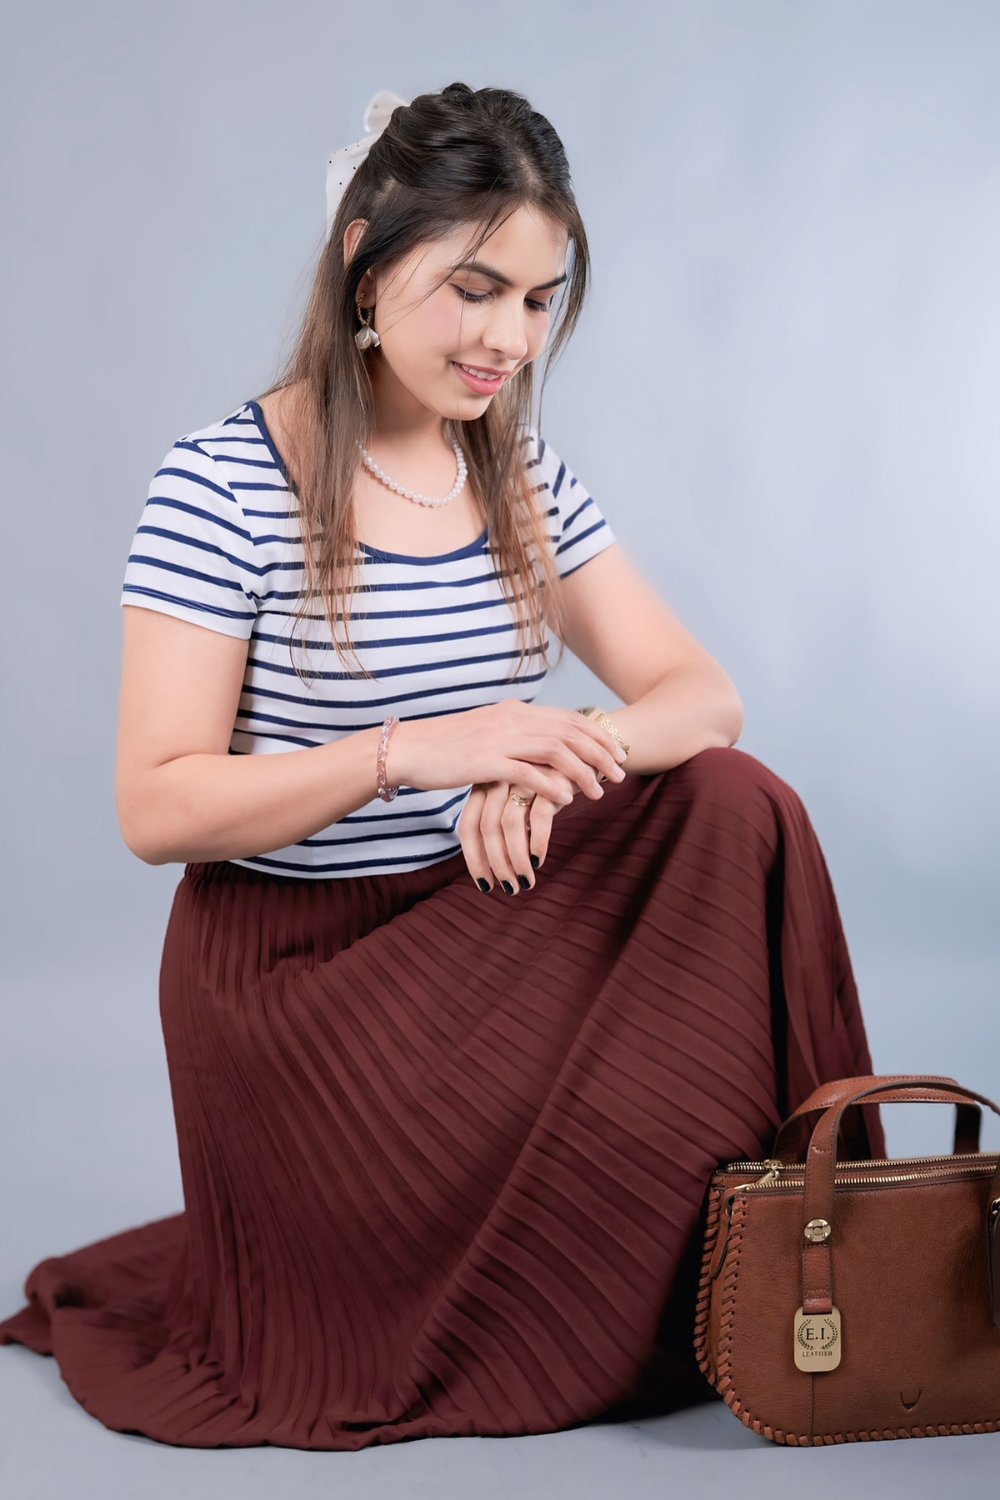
(261, 422)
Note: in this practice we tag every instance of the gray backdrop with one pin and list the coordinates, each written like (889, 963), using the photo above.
(783, 395)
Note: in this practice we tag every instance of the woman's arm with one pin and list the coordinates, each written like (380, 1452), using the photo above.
(221, 806)
(180, 796)
(691, 708)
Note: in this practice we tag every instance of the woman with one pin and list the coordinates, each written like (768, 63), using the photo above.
(453, 1050)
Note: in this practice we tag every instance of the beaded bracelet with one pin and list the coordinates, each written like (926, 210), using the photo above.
(385, 791)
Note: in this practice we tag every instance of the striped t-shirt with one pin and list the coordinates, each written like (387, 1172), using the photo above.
(218, 543)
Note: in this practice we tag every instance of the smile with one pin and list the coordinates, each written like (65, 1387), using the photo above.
(483, 385)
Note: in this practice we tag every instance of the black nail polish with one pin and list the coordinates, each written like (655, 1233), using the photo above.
(508, 887)
(484, 885)
(535, 861)
(525, 882)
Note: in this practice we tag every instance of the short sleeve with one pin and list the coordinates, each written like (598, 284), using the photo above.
(192, 553)
(578, 529)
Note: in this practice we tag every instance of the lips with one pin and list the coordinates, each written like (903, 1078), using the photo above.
(484, 369)
(476, 384)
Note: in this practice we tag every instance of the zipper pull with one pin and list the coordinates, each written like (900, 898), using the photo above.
(771, 1175)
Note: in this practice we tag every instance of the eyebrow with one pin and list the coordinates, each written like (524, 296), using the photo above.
(495, 275)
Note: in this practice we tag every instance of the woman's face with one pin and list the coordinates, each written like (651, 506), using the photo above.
(473, 318)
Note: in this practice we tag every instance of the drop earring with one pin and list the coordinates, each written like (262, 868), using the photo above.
(366, 337)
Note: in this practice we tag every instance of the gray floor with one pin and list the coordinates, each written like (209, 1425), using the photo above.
(54, 1449)
(71, 1173)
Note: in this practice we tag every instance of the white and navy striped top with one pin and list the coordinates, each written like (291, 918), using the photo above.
(218, 543)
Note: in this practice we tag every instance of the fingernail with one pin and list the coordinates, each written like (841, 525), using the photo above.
(484, 885)
(508, 887)
(525, 882)
(535, 861)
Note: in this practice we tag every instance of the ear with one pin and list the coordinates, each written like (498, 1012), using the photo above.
(352, 238)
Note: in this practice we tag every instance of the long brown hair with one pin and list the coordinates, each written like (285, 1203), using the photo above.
(461, 156)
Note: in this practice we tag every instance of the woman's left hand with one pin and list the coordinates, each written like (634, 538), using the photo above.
(499, 835)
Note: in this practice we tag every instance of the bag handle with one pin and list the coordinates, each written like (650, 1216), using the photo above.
(820, 1161)
(789, 1143)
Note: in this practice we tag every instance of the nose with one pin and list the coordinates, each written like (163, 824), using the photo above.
(505, 333)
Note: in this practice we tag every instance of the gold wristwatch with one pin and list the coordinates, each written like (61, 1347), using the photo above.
(606, 722)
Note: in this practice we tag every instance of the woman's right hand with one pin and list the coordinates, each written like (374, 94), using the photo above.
(551, 751)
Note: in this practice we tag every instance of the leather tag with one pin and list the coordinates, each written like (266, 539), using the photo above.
(818, 1341)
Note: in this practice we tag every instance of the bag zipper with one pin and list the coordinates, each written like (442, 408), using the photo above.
(969, 1163)
(874, 1161)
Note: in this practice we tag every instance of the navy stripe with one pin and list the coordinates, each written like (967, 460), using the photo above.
(368, 866)
(491, 691)
(209, 609)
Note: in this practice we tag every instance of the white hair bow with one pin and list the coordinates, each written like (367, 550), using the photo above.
(342, 165)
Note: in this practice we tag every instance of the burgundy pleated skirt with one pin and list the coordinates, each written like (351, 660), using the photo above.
(444, 1153)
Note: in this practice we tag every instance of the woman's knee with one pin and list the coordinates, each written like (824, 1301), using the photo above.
(729, 773)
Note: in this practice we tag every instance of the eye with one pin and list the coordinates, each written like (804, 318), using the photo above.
(535, 305)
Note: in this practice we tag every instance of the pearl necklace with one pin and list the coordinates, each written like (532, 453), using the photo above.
(401, 489)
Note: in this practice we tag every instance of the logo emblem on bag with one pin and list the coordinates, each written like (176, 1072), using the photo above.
(817, 1342)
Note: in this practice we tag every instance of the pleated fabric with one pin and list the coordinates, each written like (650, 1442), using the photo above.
(444, 1153)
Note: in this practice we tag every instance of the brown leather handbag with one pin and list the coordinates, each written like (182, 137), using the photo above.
(844, 1301)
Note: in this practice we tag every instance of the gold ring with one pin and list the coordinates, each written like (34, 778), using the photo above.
(521, 801)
